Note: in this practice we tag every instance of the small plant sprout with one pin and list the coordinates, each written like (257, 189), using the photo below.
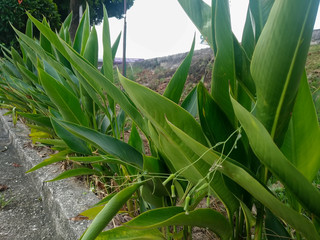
(3, 201)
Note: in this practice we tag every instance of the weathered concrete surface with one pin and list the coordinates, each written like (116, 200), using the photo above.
(55, 202)
(24, 217)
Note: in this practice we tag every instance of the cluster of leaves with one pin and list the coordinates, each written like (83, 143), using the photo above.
(15, 13)
(258, 122)
(114, 7)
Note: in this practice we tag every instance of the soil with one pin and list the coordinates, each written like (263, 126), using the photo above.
(156, 73)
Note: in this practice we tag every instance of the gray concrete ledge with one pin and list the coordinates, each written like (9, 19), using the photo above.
(64, 199)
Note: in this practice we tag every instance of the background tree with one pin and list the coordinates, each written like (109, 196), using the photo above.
(11, 11)
(114, 8)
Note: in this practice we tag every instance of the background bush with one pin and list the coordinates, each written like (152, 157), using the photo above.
(12, 11)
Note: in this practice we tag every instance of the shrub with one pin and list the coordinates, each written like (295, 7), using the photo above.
(13, 12)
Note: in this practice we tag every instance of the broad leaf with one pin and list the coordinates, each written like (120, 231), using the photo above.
(44, 42)
(178, 156)
(125, 233)
(270, 155)
(200, 14)
(176, 85)
(190, 102)
(146, 99)
(52, 159)
(67, 103)
(206, 218)
(278, 62)
(75, 143)
(223, 73)
(91, 49)
(108, 212)
(302, 141)
(107, 54)
(92, 75)
(106, 143)
(241, 176)
(115, 46)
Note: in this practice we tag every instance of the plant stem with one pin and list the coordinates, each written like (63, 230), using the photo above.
(130, 208)
(259, 222)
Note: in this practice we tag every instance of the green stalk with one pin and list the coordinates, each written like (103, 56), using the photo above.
(130, 208)
(239, 224)
(94, 121)
(259, 222)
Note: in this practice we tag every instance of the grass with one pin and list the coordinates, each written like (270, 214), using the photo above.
(313, 74)
(313, 67)
(3, 201)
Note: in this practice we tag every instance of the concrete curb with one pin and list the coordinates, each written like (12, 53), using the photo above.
(63, 199)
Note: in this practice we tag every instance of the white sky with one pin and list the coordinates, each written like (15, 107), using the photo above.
(158, 28)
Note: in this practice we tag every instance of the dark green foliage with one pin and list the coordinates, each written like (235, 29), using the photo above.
(114, 8)
(13, 12)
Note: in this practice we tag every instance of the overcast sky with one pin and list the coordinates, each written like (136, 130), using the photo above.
(160, 28)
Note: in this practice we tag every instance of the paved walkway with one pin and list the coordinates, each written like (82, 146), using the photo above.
(23, 217)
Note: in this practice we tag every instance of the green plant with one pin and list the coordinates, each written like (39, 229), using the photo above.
(258, 121)
(264, 75)
(4, 201)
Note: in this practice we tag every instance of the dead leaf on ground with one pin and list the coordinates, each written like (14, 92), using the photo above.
(3, 187)
(79, 218)
(16, 165)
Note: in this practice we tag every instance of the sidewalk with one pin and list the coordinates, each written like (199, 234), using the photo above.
(39, 209)
(24, 216)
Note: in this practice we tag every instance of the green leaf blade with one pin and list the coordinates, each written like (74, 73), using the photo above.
(175, 87)
(277, 89)
(67, 103)
(270, 155)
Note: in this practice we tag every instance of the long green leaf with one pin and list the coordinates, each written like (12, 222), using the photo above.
(107, 55)
(200, 14)
(224, 75)
(86, 29)
(44, 42)
(39, 119)
(79, 33)
(190, 102)
(302, 141)
(60, 156)
(75, 143)
(259, 12)
(178, 157)
(278, 62)
(107, 51)
(91, 50)
(92, 75)
(108, 212)
(36, 48)
(67, 103)
(124, 233)
(206, 218)
(175, 87)
(106, 143)
(241, 176)
(115, 46)
(146, 99)
(270, 155)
